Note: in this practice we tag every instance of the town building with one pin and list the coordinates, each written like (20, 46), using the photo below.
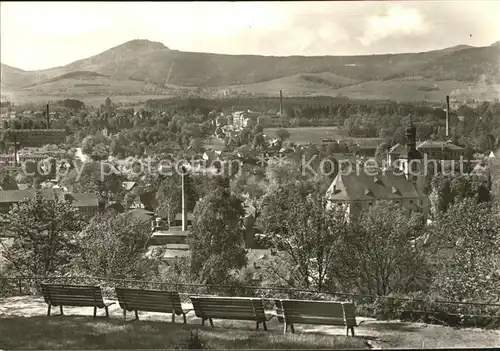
(358, 189)
(433, 150)
(242, 119)
(10, 197)
(86, 203)
(437, 150)
(39, 137)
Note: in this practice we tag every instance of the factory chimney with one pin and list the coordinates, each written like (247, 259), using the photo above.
(48, 116)
(447, 116)
(281, 102)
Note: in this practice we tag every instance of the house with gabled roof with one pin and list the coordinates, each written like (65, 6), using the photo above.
(358, 191)
(10, 197)
(86, 203)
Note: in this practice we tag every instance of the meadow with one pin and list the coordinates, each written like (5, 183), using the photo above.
(304, 135)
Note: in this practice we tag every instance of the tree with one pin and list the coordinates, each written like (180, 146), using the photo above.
(95, 177)
(307, 233)
(216, 238)
(466, 242)
(45, 236)
(114, 247)
(378, 255)
(259, 141)
(381, 153)
(196, 144)
(7, 182)
(169, 194)
(96, 146)
(448, 189)
(281, 171)
(282, 134)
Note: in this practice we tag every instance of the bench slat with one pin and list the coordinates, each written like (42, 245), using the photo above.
(237, 308)
(318, 312)
(72, 295)
(149, 300)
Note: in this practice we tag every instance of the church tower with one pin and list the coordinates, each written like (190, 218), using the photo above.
(414, 160)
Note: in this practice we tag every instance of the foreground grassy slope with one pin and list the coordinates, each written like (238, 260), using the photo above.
(84, 333)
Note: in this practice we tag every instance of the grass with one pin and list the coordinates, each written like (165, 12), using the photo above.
(419, 335)
(304, 135)
(23, 325)
(76, 332)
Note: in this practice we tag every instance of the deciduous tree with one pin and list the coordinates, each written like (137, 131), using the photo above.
(45, 231)
(115, 247)
(217, 235)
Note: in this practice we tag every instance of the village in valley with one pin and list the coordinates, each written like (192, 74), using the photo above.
(287, 199)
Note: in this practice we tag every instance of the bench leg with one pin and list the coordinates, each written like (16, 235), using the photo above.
(211, 322)
(184, 317)
(48, 310)
(107, 311)
(202, 322)
(124, 315)
(285, 327)
(292, 328)
(95, 311)
(173, 317)
(352, 331)
(257, 325)
(136, 315)
(265, 325)
(61, 309)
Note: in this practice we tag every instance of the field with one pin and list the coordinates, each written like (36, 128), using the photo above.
(304, 135)
(20, 98)
(94, 91)
(405, 89)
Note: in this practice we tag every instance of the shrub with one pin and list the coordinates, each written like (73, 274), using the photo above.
(193, 343)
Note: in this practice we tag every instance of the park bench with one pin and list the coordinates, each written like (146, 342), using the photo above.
(74, 295)
(316, 312)
(235, 308)
(150, 301)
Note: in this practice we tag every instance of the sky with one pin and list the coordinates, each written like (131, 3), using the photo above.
(49, 34)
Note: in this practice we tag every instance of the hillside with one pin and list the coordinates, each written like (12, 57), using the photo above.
(142, 67)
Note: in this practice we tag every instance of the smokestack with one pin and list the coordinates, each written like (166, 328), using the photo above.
(447, 116)
(183, 199)
(281, 102)
(48, 117)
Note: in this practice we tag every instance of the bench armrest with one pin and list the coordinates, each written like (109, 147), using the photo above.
(107, 304)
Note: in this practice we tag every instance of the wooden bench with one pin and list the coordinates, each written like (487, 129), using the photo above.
(150, 301)
(236, 308)
(316, 312)
(74, 295)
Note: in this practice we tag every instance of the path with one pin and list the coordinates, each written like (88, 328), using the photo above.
(380, 334)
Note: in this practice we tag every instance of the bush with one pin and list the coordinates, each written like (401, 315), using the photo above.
(193, 343)
(428, 309)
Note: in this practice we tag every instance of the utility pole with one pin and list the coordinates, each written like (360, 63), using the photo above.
(48, 117)
(183, 199)
(447, 117)
(15, 149)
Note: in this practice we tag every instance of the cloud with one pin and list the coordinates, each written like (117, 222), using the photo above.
(398, 22)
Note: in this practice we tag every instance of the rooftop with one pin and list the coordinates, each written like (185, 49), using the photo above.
(12, 196)
(430, 144)
(385, 185)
